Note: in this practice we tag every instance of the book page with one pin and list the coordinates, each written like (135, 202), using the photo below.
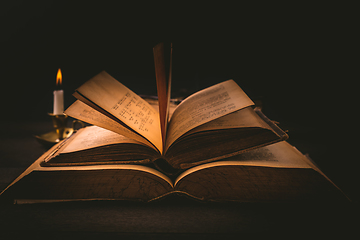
(205, 106)
(280, 155)
(131, 167)
(83, 112)
(163, 83)
(243, 118)
(116, 99)
(94, 136)
(36, 166)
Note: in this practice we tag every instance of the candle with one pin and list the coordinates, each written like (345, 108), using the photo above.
(58, 96)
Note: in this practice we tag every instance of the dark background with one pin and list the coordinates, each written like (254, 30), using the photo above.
(297, 59)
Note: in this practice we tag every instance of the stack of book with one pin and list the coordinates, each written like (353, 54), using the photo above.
(216, 145)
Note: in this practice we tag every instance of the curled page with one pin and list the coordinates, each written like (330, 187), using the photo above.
(163, 82)
(205, 106)
(94, 136)
(120, 102)
(83, 112)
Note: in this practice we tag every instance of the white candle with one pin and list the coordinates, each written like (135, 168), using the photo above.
(58, 102)
(58, 96)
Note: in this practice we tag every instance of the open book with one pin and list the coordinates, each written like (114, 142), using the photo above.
(277, 172)
(215, 145)
(214, 123)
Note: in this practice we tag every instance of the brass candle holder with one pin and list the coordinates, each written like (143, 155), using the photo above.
(59, 123)
(60, 132)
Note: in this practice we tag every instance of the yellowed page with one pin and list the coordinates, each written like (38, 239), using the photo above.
(36, 167)
(83, 112)
(205, 106)
(240, 119)
(163, 83)
(105, 167)
(124, 104)
(280, 154)
(94, 136)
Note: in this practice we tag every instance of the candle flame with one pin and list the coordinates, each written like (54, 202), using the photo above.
(58, 78)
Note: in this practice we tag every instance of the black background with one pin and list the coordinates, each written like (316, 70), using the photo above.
(297, 59)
